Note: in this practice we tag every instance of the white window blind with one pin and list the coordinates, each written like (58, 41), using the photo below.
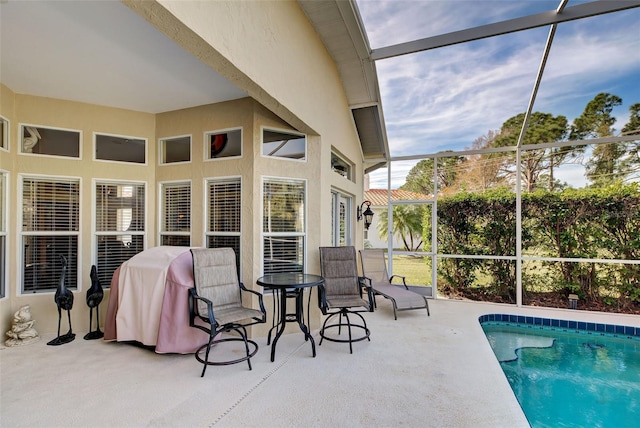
(120, 225)
(50, 226)
(175, 228)
(283, 225)
(223, 214)
(3, 234)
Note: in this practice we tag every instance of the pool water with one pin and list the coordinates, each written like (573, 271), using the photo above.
(569, 378)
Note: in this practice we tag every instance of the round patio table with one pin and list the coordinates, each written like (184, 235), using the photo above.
(287, 286)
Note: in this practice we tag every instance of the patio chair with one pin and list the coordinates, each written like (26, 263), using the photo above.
(374, 269)
(341, 295)
(215, 304)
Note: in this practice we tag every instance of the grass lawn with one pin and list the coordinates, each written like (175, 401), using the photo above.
(416, 270)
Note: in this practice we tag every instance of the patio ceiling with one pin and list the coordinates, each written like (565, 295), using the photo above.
(96, 52)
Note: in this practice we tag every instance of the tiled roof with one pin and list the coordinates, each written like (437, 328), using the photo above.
(378, 197)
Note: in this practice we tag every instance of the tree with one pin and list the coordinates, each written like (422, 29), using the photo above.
(420, 177)
(596, 121)
(407, 224)
(542, 128)
(633, 126)
(481, 172)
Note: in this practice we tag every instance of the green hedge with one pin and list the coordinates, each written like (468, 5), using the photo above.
(601, 223)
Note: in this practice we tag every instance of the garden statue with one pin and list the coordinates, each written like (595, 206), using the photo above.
(22, 331)
(64, 300)
(94, 297)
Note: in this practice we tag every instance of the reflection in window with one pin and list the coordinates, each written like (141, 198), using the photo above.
(223, 144)
(284, 144)
(48, 141)
(283, 225)
(121, 149)
(120, 225)
(50, 229)
(175, 150)
(340, 166)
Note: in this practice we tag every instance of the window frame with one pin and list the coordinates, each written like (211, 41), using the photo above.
(162, 210)
(283, 131)
(125, 137)
(302, 234)
(4, 134)
(73, 282)
(4, 232)
(208, 233)
(208, 157)
(96, 234)
(162, 149)
(21, 149)
(336, 197)
(349, 167)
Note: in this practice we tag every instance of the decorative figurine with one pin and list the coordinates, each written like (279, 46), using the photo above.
(64, 300)
(22, 331)
(94, 297)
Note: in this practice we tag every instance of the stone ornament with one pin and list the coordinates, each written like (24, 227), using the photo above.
(22, 331)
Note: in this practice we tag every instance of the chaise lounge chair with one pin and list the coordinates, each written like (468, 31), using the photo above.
(374, 270)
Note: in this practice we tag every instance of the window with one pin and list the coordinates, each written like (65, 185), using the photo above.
(50, 229)
(3, 233)
(121, 149)
(340, 219)
(223, 144)
(4, 133)
(175, 150)
(176, 214)
(283, 225)
(49, 141)
(224, 214)
(284, 144)
(120, 225)
(340, 166)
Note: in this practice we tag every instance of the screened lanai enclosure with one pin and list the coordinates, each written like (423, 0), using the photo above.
(518, 124)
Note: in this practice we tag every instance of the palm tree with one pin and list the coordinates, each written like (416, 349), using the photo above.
(407, 224)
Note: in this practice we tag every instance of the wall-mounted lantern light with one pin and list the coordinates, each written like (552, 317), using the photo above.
(367, 214)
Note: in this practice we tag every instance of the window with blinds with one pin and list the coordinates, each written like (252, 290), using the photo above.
(175, 227)
(223, 215)
(120, 225)
(3, 233)
(283, 225)
(50, 229)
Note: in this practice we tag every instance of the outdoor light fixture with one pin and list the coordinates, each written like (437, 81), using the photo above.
(367, 214)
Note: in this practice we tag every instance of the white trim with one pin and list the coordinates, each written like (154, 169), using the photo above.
(131, 137)
(162, 148)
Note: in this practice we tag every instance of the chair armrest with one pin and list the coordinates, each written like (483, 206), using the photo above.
(193, 308)
(362, 281)
(260, 300)
(404, 282)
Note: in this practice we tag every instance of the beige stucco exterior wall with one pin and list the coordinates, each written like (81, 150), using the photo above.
(267, 48)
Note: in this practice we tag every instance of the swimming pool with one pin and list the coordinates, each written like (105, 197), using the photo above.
(569, 373)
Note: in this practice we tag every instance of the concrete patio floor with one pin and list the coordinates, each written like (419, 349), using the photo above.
(417, 371)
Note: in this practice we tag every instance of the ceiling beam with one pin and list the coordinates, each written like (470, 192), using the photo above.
(504, 27)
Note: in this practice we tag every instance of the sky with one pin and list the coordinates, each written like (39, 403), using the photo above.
(444, 99)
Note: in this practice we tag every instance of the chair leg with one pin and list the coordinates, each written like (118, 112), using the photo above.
(243, 333)
(206, 356)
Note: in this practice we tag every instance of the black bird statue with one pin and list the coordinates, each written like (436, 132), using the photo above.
(94, 297)
(64, 300)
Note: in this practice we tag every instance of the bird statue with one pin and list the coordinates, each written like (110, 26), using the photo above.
(94, 297)
(29, 142)
(64, 300)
